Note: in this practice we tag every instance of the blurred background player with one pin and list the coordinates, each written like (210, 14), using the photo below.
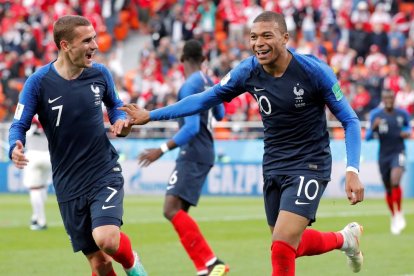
(37, 174)
(196, 158)
(67, 94)
(292, 91)
(392, 126)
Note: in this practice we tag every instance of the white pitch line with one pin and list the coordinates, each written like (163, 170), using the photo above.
(136, 220)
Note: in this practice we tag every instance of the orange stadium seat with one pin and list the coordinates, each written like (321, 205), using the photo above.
(104, 42)
(121, 31)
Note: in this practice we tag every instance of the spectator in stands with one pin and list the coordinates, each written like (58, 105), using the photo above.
(405, 99)
(375, 56)
(361, 101)
(374, 82)
(391, 125)
(359, 39)
(394, 81)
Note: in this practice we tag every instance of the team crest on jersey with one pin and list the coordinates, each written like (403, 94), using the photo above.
(225, 79)
(298, 96)
(336, 89)
(97, 93)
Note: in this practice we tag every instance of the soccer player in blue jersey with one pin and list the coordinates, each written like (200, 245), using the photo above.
(292, 91)
(392, 126)
(67, 94)
(196, 158)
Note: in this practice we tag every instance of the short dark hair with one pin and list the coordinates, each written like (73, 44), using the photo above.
(269, 16)
(192, 51)
(63, 28)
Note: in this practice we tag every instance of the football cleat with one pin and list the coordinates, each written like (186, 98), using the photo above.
(36, 227)
(218, 268)
(137, 269)
(394, 227)
(352, 233)
(400, 220)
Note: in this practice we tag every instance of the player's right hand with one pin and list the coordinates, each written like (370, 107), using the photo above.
(137, 115)
(148, 156)
(18, 157)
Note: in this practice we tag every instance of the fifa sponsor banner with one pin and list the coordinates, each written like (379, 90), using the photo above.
(245, 179)
(237, 172)
(236, 179)
(226, 179)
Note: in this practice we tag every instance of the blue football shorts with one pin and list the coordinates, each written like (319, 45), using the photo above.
(299, 194)
(388, 163)
(103, 205)
(187, 180)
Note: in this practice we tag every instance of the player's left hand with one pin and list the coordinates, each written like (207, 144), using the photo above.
(148, 156)
(121, 128)
(354, 188)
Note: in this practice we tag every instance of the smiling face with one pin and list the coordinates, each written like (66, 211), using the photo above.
(268, 42)
(82, 48)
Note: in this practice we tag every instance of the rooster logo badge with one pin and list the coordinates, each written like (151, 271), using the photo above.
(299, 93)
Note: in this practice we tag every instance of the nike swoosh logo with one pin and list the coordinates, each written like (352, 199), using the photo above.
(54, 100)
(107, 207)
(258, 89)
(297, 202)
(170, 187)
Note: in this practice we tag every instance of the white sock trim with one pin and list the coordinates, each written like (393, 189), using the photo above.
(212, 261)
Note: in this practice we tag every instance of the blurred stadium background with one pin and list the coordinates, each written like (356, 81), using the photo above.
(369, 45)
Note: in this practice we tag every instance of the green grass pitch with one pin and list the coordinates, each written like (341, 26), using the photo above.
(235, 227)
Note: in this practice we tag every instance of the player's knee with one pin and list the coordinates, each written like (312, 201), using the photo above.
(108, 243)
(169, 213)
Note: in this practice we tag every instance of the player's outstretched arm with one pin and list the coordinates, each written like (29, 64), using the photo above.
(137, 115)
(354, 188)
(18, 157)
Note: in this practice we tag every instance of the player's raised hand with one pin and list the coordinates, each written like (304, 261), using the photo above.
(121, 128)
(148, 156)
(18, 157)
(137, 115)
(354, 188)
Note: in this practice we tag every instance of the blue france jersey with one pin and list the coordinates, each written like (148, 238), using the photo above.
(292, 107)
(195, 136)
(70, 112)
(296, 140)
(389, 130)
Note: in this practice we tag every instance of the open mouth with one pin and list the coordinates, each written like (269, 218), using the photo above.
(89, 56)
(262, 53)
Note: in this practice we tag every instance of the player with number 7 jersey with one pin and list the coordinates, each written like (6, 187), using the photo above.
(67, 94)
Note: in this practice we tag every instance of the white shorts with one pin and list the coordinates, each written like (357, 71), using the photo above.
(38, 171)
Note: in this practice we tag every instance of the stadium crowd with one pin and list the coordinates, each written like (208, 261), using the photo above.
(369, 45)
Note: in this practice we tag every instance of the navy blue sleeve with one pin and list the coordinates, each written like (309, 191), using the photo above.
(337, 103)
(406, 125)
(191, 125)
(218, 112)
(369, 134)
(188, 106)
(26, 109)
(189, 129)
(111, 98)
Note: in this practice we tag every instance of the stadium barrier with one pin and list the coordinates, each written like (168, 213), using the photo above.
(237, 171)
